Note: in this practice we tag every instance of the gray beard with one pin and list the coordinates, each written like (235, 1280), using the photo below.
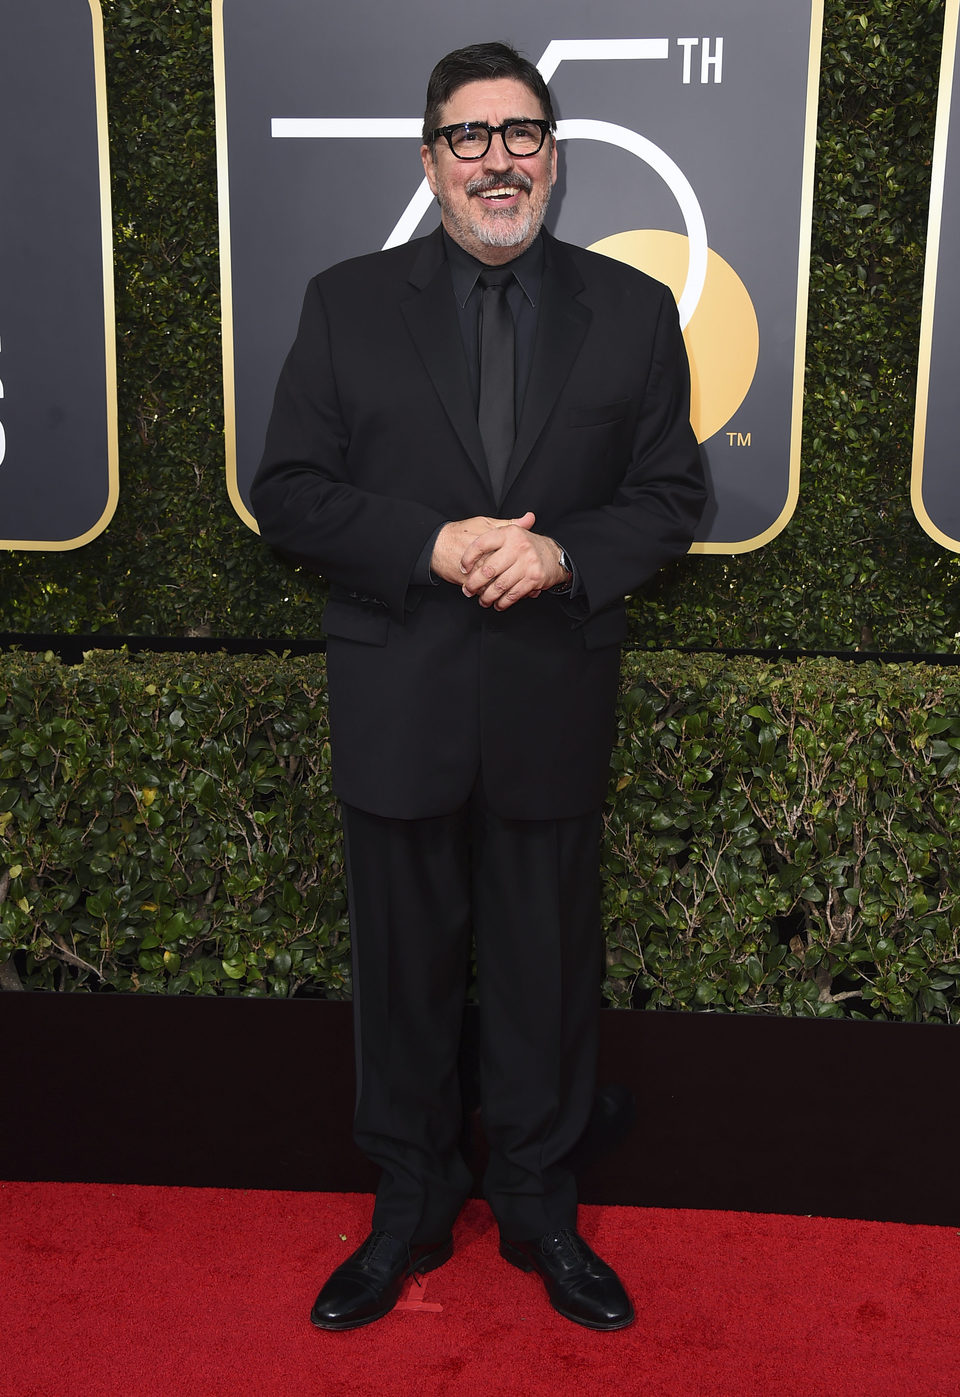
(511, 227)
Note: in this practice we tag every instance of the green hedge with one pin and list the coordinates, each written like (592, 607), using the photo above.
(168, 826)
(853, 570)
(785, 838)
(781, 838)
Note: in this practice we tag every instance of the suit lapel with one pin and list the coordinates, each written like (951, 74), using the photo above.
(562, 324)
(430, 314)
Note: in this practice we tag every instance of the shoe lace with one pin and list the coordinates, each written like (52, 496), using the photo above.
(374, 1243)
(565, 1245)
(377, 1241)
(412, 1270)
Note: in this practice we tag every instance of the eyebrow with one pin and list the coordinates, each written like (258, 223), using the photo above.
(482, 121)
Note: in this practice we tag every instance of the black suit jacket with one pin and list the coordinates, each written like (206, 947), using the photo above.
(373, 444)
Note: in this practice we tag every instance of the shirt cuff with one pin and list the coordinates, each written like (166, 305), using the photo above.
(422, 576)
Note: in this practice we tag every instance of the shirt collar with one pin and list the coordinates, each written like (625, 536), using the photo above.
(464, 269)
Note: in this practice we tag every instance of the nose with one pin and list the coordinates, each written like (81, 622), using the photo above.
(497, 158)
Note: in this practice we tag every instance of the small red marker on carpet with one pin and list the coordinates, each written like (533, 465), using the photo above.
(412, 1299)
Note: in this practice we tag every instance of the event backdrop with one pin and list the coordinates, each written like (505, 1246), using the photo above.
(58, 432)
(936, 480)
(687, 140)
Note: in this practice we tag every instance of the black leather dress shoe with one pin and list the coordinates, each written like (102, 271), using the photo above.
(579, 1285)
(369, 1282)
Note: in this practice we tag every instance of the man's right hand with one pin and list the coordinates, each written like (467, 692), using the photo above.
(454, 539)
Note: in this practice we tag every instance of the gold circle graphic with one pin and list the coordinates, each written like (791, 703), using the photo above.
(722, 337)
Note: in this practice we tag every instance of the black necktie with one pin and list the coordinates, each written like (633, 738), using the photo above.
(495, 414)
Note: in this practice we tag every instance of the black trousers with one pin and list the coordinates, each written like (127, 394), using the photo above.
(526, 892)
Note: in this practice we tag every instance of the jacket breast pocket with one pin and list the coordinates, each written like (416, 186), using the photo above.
(597, 414)
(355, 621)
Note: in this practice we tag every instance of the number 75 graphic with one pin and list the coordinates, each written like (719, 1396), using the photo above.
(556, 52)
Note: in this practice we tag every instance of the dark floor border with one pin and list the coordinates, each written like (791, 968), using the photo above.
(71, 648)
(827, 1117)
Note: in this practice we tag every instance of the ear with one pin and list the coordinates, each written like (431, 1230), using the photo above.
(429, 166)
(553, 160)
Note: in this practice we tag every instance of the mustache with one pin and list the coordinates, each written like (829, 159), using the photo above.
(511, 179)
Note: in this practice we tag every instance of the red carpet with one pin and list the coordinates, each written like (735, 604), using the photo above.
(158, 1292)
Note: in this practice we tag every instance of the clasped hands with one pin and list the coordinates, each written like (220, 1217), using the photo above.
(498, 561)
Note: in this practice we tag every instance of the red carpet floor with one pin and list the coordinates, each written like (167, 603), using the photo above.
(158, 1292)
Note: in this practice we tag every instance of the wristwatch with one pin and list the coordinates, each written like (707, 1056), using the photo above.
(562, 588)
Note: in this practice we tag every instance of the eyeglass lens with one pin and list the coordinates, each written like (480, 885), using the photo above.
(472, 140)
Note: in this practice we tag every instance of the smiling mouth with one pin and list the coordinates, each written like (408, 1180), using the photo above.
(496, 191)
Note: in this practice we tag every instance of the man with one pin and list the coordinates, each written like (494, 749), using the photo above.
(482, 472)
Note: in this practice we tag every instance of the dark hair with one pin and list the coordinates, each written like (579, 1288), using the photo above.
(475, 63)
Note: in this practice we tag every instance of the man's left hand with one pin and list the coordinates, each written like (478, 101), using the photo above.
(508, 563)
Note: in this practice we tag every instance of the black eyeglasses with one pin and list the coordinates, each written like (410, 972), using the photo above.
(470, 140)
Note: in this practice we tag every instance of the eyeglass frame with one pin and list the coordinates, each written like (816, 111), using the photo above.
(545, 127)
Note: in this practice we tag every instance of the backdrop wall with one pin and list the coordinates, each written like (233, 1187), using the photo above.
(853, 569)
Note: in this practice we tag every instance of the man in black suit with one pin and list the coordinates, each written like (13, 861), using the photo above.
(482, 466)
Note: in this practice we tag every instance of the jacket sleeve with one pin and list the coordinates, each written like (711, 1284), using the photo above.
(652, 518)
(303, 497)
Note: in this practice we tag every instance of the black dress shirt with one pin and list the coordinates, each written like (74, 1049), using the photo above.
(523, 298)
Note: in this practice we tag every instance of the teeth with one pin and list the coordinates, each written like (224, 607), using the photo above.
(503, 192)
